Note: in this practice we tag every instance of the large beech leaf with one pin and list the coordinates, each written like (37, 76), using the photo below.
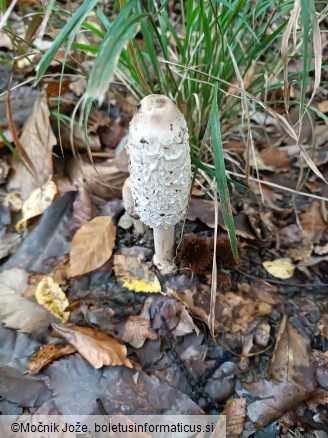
(96, 347)
(92, 245)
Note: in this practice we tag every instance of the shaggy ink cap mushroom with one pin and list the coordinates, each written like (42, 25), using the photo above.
(160, 171)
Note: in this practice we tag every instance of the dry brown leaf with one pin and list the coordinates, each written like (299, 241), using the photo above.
(48, 354)
(292, 376)
(204, 210)
(78, 87)
(37, 140)
(323, 106)
(320, 359)
(135, 330)
(263, 291)
(291, 358)
(234, 311)
(235, 412)
(236, 146)
(276, 398)
(92, 245)
(301, 252)
(275, 158)
(313, 225)
(81, 209)
(96, 347)
(106, 183)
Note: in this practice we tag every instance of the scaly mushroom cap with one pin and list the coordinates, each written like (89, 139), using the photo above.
(160, 169)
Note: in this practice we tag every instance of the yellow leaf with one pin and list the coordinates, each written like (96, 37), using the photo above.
(134, 275)
(280, 268)
(50, 296)
(46, 355)
(92, 245)
(36, 203)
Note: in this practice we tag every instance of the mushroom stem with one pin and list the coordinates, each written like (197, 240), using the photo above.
(164, 250)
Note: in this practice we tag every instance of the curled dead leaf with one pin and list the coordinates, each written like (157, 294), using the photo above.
(96, 347)
(92, 245)
(313, 225)
(46, 355)
(292, 377)
(37, 140)
(135, 330)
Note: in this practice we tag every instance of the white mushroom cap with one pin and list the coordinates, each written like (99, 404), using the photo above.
(160, 168)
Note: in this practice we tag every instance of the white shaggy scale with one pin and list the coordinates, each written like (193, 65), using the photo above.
(160, 169)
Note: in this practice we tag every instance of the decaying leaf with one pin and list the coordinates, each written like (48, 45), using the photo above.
(135, 330)
(235, 412)
(107, 182)
(135, 275)
(276, 159)
(48, 354)
(20, 313)
(81, 209)
(49, 294)
(204, 210)
(300, 253)
(92, 245)
(37, 140)
(292, 376)
(323, 106)
(234, 311)
(36, 203)
(280, 268)
(9, 243)
(313, 225)
(96, 347)
(49, 238)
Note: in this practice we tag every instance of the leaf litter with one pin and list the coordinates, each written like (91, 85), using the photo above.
(139, 341)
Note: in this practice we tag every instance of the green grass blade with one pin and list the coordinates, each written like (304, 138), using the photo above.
(103, 19)
(14, 151)
(220, 175)
(70, 27)
(122, 30)
(88, 48)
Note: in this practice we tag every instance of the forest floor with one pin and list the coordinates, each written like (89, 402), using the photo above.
(87, 323)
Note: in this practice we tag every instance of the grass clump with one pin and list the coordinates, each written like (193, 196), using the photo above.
(219, 60)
